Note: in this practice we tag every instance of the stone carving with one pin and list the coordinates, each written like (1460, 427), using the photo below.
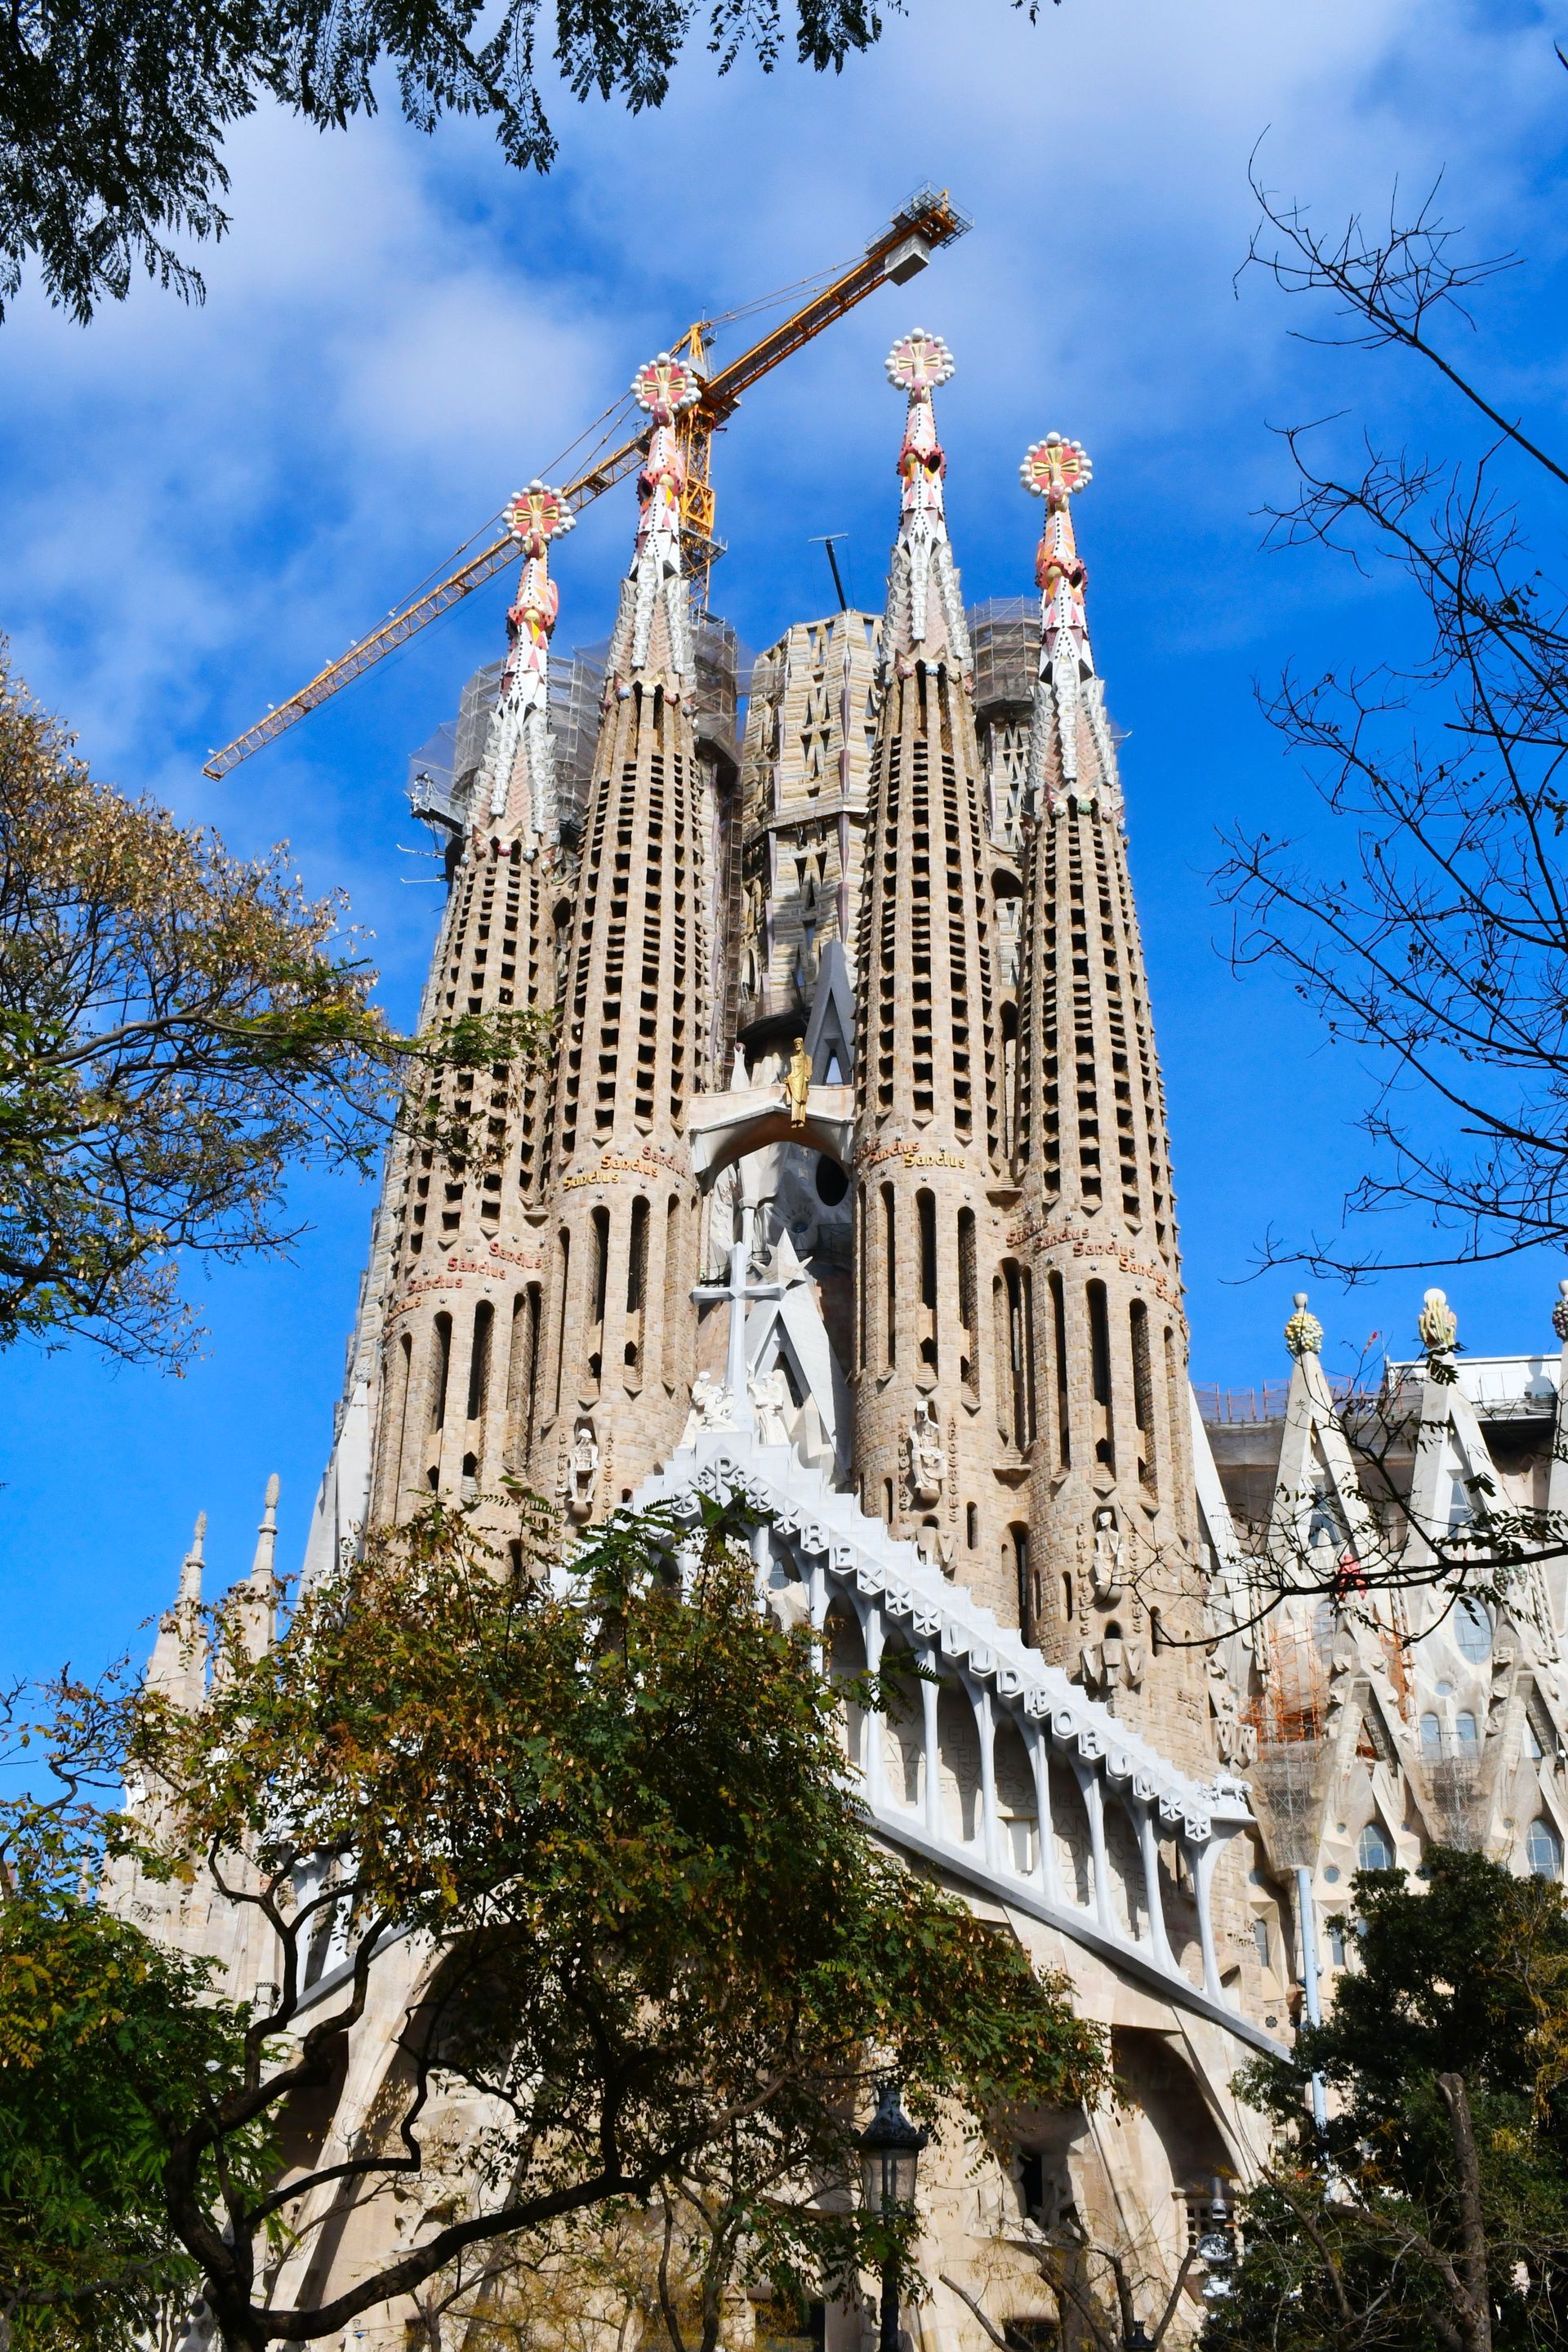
(581, 1473)
(1112, 1663)
(938, 1549)
(769, 1392)
(1234, 1742)
(925, 1464)
(710, 1408)
(1436, 1326)
(1303, 1332)
(797, 1083)
(1107, 1567)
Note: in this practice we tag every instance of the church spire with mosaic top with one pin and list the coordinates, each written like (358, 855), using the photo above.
(1099, 1269)
(929, 1140)
(652, 640)
(620, 1328)
(925, 619)
(1072, 754)
(516, 788)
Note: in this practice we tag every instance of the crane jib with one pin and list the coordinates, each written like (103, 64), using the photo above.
(926, 222)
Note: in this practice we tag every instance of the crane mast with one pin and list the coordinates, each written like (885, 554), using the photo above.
(928, 221)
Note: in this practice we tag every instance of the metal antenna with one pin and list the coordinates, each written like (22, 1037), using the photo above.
(826, 540)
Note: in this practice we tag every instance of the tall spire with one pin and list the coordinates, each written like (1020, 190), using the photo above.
(1071, 752)
(177, 1668)
(928, 1141)
(1112, 1547)
(925, 610)
(252, 1607)
(516, 787)
(652, 643)
(614, 1373)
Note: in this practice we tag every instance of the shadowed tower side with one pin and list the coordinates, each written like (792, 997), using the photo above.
(465, 1286)
(621, 1340)
(928, 1138)
(1113, 1541)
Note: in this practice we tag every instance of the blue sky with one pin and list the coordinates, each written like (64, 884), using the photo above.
(204, 504)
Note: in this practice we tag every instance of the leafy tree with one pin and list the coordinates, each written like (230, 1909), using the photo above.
(112, 113)
(178, 1028)
(1432, 2215)
(104, 2036)
(588, 1830)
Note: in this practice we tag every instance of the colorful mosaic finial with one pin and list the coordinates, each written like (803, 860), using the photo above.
(521, 718)
(916, 365)
(1436, 1326)
(1303, 1332)
(1559, 1313)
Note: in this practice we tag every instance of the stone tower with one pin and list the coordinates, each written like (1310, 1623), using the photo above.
(1094, 1284)
(463, 1284)
(928, 1112)
(612, 1393)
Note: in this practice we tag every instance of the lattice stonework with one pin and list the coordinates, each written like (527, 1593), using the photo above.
(1093, 1280)
(930, 1111)
(464, 1265)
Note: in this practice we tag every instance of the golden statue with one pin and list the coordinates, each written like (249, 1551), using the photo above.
(797, 1083)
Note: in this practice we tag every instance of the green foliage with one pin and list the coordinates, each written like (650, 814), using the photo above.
(107, 2044)
(111, 114)
(178, 1028)
(607, 1796)
(1452, 2026)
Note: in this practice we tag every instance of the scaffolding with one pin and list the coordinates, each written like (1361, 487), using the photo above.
(576, 707)
(1004, 636)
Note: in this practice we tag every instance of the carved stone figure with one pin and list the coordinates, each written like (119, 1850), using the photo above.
(582, 1473)
(710, 1408)
(797, 1083)
(769, 1396)
(1234, 1742)
(1108, 1569)
(925, 1462)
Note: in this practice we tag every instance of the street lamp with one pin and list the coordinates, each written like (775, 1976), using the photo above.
(1138, 2338)
(890, 2159)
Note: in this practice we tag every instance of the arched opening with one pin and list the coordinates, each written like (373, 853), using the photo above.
(480, 1359)
(1069, 1827)
(1017, 1812)
(958, 1751)
(440, 1369)
(1099, 1374)
(925, 1216)
(903, 1735)
(1124, 1864)
(598, 1293)
(1023, 1586)
(636, 1285)
(968, 1301)
(844, 1657)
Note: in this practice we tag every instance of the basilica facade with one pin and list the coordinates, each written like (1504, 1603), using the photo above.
(847, 1186)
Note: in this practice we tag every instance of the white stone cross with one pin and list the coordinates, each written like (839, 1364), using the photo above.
(739, 1290)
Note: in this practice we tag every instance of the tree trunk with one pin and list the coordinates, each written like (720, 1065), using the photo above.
(1476, 2319)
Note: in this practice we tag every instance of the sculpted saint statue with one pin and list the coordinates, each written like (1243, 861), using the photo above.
(769, 1402)
(1108, 1570)
(797, 1083)
(710, 1408)
(926, 1465)
(582, 1473)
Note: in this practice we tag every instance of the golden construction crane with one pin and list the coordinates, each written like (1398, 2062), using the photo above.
(928, 221)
